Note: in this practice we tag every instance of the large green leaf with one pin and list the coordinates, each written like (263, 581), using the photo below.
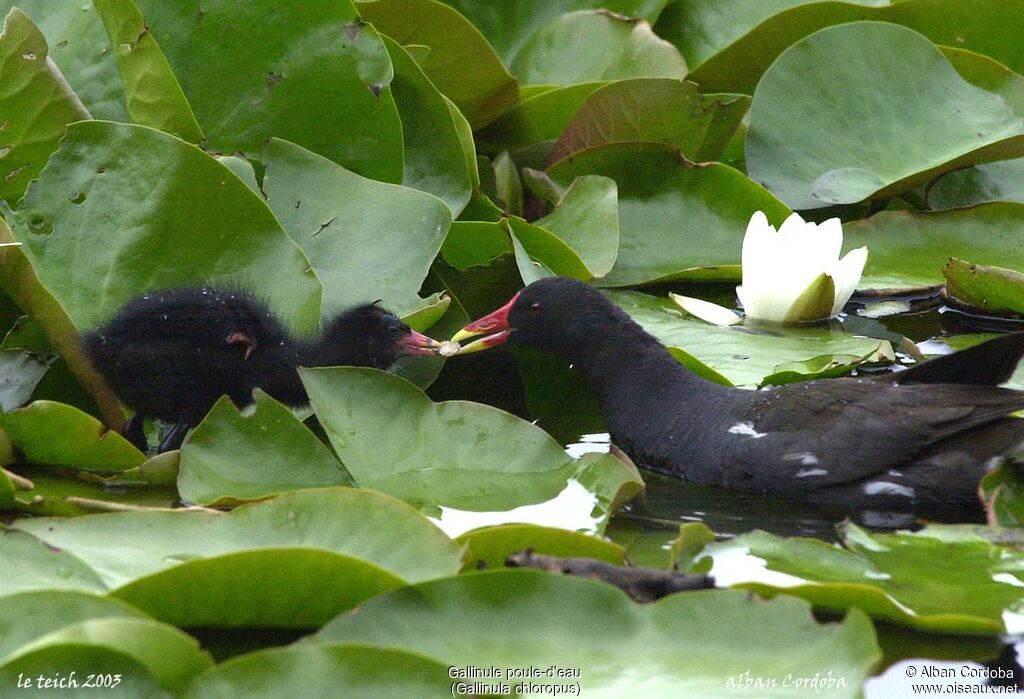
(314, 75)
(675, 219)
(121, 209)
(734, 41)
(20, 281)
(654, 110)
(979, 184)
(492, 545)
(508, 26)
(884, 82)
(538, 119)
(435, 161)
(908, 249)
(135, 650)
(81, 49)
(976, 589)
(28, 615)
(267, 564)
(55, 434)
(32, 565)
(470, 463)
(593, 45)
(999, 181)
(152, 93)
(993, 290)
(745, 356)
(697, 644)
(587, 220)
(460, 63)
(709, 35)
(36, 103)
(233, 457)
(311, 670)
(367, 240)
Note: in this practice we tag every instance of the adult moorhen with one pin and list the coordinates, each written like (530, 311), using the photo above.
(171, 354)
(916, 441)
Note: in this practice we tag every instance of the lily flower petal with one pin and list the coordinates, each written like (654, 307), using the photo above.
(794, 273)
(846, 273)
(705, 310)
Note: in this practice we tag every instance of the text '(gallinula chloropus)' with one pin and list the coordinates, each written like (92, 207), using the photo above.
(913, 441)
(171, 354)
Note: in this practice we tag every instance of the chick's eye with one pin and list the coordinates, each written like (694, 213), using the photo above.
(535, 309)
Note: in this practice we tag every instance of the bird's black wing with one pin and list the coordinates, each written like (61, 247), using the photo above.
(820, 434)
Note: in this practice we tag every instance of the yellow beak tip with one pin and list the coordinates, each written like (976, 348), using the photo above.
(463, 335)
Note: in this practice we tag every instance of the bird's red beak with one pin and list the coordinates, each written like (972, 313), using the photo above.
(417, 343)
(493, 325)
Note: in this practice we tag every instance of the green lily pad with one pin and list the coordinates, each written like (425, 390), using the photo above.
(745, 356)
(367, 240)
(976, 590)
(114, 651)
(36, 101)
(541, 246)
(539, 118)
(27, 616)
(297, 69)
(987, 182)
(492, 545)
(435, 160)
(520, 618)
(654, 110)
(907, 250)
(264, 564)
(20, 281)
(472, 464)
(730, 44)
(988, 74)
(1002, 490)
(676, 220)
(231, 457)
(508, 26)
(979, 184)
(986, 288)
(35, 566)
(733, 42)
(593, 45)
(471, 243)
(586, 218)
(81, 49)
(461, 63)
(152, 93)
(55, 434)
(885, 81)
(825, 366)
(91, 190)
(303, 671)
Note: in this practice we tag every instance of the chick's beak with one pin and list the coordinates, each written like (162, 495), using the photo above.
(493, 326)
(419, 344)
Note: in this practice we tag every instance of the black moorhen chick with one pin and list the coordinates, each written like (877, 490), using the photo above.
(171, 354)
(916, 441)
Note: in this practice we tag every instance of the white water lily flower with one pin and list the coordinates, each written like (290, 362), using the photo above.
(793, 274)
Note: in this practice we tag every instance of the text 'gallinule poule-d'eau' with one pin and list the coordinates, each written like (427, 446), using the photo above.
(913, 441)
(171, 354)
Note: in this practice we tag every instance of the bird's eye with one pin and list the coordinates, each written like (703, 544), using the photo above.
(535, 309)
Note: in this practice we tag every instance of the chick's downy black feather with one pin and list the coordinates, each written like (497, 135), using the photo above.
(172, 354)
(917, 440)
